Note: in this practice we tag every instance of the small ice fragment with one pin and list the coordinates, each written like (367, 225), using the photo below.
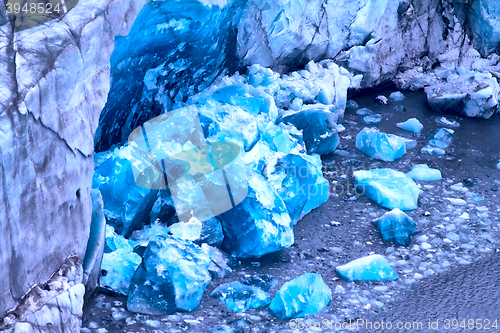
(411, 125)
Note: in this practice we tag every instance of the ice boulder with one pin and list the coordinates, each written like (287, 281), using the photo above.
(303, 296)
(319, 130)
(411, 125)
(389, 188)
(371, 268)
(240, 297)
(172, 277)
(379, 145)
(471, 95)
(259, 225)
(423, 172)
(396, 227)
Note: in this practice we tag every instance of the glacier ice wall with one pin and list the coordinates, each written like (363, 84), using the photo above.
(53, 86)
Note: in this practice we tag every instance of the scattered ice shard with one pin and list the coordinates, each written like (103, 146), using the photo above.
(411, 125)
(423, 172)
(371, 268)
(364, 112)
(240, 297)
(447, 122)
(172, 276)
(430, 150)
(373, 119)
(265, 282)
(389, 188)
(379, 145)
(319, 130)
(397, 96)
(443, 138)
(119, 262)
(396, 227)
(303, 296)
(472, 94)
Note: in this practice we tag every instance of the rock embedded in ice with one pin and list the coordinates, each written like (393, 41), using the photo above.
(301, 297)
(373, 119)
(319, 130)
(397, 96)
(396, 227)
(371, 268)
(447, 122)
(172, 276)
(423, 172)
(240, 297)
(471, 95)
(381, 99)
(389, 188)
(411, 125)
(379, 145)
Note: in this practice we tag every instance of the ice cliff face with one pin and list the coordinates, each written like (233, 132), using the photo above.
(54, 80)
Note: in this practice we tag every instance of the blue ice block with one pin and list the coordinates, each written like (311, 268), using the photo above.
(240, 297)
(396, 227)
(370, 268)
(379, 145)
(411, 125)
(424, 173)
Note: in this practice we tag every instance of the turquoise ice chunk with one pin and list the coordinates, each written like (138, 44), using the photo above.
(373, 119)
(172, 276)
(397, 96)
(364, 112)
(370, 268)
(389, 188)
(411, 125)
(301, 297)
(430, 150)
(240, 297)
(443, 138)
(379, 145)
(424, 173)
(396, 227)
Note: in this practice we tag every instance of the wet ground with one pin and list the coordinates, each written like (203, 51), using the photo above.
(341, 231)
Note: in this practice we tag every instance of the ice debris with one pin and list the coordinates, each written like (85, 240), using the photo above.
(396, 227)
(389, 188)
(429, 150)
(472, 94)
(119, 262)
(240, 297)
(373, 119)
(351, 105)
(303, 296)
(319, 130)
(172, 276)
(381, 99)
(397, 96)
(364, 112)
(379, 145)
(411, 125)
(371, 268)
(443, 138)
(424, 173)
